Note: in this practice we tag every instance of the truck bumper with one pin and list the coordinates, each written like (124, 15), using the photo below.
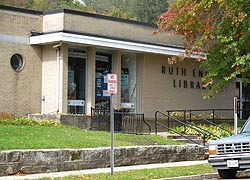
(220, 161)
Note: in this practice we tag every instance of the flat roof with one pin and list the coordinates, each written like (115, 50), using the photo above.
(71, 37)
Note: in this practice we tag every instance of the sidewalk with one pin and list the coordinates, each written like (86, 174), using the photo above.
(102, 170)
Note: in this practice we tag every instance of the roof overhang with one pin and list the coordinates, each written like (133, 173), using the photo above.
(104, 42)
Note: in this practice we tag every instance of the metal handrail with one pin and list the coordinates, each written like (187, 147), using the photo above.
(203, 110)
(209, 122)
(137, 124)
(204, 130)
(130, 122)
(178, 133)
(199, 130)
(149, 127)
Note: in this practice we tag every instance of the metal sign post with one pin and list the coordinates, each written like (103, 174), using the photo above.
(112, 89)
(235, 116)
(112, 156)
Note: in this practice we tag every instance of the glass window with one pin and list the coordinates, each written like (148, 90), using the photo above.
(246, 101)
(76, 81)
(17, 62)
(103, 67)
(128, 82)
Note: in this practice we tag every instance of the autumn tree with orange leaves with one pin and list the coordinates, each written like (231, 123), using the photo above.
(219, 32)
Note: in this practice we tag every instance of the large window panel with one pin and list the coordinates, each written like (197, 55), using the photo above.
(128, 82)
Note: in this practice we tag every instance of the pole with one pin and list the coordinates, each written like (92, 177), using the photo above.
(235, 116)
(112, 89)
(112, 135)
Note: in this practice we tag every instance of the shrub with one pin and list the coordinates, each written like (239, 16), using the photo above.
(182, 114)
(5, 115)
(24, 121)
(213, 129)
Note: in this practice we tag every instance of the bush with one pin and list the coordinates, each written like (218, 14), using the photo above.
(5, 115)
(24, 121)
(187, 115)
(213, 129)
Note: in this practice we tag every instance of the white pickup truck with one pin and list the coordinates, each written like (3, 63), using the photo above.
(231, 154)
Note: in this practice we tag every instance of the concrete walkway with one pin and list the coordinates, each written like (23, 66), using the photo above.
(102, 170)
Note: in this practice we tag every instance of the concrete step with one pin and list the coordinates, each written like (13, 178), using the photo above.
(198, 141)
(177, 137)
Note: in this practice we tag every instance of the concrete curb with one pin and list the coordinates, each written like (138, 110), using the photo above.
(194, 177)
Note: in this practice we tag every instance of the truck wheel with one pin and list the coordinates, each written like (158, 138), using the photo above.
(227, 173)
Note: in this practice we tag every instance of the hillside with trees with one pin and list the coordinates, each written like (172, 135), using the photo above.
(138, 10)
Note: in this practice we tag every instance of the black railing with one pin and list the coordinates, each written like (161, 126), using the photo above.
(123, 121)
(216, 116)
(100, 119)
(206, 121)
(186, 123)
(199, 130)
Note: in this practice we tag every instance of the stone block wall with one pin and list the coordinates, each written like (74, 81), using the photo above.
(56, 160)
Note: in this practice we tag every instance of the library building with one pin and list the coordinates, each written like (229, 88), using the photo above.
(57, 62)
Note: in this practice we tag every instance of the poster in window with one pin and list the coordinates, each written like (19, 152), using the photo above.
(125, 87)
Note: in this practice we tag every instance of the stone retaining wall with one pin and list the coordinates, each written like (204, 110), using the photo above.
(56, 160)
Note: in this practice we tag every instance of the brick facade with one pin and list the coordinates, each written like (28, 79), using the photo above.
(45, 73)
(20, 92)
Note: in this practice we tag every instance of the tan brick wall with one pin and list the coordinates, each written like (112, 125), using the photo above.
(49, 73)
(53, 22)
(160, 94)
(50, 82)
(19, 24)
(20, 93)
(117, 29)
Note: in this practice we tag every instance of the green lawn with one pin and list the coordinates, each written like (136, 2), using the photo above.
(39, 137)
(25, 134)
(146, 174)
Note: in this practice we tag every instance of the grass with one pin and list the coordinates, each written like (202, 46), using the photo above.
(146, 174)
(45, 137)
(24, 134)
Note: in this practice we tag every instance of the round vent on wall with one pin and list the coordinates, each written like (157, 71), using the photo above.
(17, 62)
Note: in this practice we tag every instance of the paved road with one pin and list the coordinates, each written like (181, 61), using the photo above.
(212, 176)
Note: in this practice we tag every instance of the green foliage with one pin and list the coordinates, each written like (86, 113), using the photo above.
(140, 10)
(148, 10)
(120, 13)
(213, 129)
(187, 115)
(24, 121)
(219, 28)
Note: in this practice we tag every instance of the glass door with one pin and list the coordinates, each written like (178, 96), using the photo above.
(76, 83)
(244, 97)
(103, 67)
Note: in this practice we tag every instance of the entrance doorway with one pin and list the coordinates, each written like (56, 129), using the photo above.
(244, 96)
(76, 82)
(103, 67)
